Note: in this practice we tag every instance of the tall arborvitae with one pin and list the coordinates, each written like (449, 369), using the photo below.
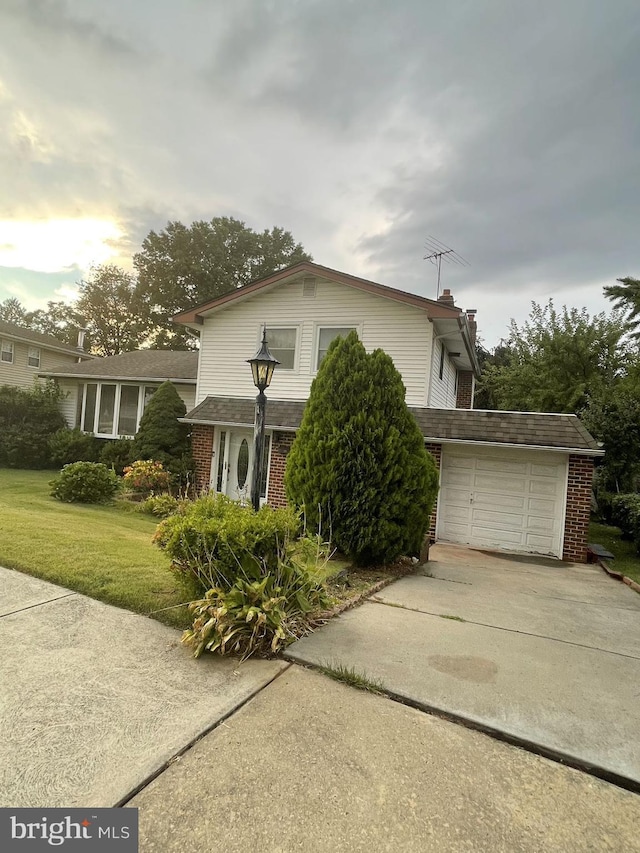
(161, 436)
(358, 465)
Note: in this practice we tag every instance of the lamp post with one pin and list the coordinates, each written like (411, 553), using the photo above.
(262, 365)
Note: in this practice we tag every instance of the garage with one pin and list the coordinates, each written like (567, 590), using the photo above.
(511, 500)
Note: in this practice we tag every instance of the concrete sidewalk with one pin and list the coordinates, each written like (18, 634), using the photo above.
(94, 699)
(312, 765)
(542, 652)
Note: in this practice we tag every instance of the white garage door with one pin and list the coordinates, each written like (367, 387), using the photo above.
(506, 499)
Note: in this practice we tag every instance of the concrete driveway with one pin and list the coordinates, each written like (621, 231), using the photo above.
(544, 653)
(94, 700)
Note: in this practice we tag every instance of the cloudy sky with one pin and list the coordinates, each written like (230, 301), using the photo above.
(510, 131)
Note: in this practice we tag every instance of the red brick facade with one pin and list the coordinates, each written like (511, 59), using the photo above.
(280, 447)
(576, 523)
(202, 448)
(436, 451)
(466, 386)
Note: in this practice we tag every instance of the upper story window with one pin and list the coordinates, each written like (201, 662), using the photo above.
(6, 351)
(33, 359)
(282, 345)
(326, 336)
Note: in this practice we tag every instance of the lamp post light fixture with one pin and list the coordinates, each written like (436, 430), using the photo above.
(262, 366)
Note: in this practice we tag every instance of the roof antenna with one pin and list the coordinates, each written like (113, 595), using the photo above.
(439, 250)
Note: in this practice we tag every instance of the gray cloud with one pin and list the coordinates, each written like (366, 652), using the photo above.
(507, 130)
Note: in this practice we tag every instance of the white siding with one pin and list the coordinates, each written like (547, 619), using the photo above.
(21, 373)
(188, 395)
(231, 336)
(442, 392)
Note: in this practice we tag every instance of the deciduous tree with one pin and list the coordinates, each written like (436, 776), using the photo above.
(184, 265)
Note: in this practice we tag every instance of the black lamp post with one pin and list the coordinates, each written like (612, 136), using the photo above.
(262, 365)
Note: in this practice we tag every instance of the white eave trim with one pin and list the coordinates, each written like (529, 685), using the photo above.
(133, 379)
(574, 451)
(201, 422)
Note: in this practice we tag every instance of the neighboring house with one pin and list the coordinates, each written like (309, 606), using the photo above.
(24, 354)
(107, 396)
(508, 480)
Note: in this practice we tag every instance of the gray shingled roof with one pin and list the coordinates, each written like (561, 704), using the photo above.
(29, 335)
(460, 425)
(144, 364)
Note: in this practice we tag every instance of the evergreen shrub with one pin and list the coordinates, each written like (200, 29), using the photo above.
(28, 419)
(358, 467)
(72, 445)
(85, 482)
(116, 453)
(162, 437)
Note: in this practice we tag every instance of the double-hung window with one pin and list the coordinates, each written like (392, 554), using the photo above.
(6, 351)
(33, 359)
(328, 334)
(282, 343)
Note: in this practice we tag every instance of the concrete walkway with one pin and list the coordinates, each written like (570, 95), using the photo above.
(94, 699)
(312, 765)
(542, 652)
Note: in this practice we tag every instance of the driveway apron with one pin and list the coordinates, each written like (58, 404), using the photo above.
(541, 652)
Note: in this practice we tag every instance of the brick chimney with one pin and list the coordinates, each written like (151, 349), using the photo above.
(471, 320)
(446, 298)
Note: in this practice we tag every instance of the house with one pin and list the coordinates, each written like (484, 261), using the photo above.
(508, 480)
(107, 396)
(24, 353)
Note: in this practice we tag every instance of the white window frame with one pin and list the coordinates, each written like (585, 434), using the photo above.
(353, 327)
(33, 360)
(296, 353)
(116, 406)
(6, 347)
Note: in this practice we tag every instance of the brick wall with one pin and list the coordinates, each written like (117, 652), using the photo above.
(464, 394)
(576, 525)
(436, 451)
(280, 447)
(202, 448)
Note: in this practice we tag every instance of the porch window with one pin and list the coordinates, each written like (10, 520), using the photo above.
(326, 336)
(128, 414)
(33, 359)
(282, 345)
(6, 351)
(106, 409)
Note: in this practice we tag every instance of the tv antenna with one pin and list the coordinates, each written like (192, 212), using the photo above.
(439, 250)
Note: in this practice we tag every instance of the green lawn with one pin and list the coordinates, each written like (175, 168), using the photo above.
(626, 560)
(102, 551)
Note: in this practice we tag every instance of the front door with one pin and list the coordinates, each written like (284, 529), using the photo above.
(234, 465)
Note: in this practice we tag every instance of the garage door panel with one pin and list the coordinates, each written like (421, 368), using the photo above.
(512, 501)
(544, 487)
(546, 470)
(486, 500)
(500, 466)
(496, 537)
(457, 477)
(500, 483)
(542, 507)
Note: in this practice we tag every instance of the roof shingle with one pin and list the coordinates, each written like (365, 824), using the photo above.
(520, 429)
(139, 364)
(14, 331)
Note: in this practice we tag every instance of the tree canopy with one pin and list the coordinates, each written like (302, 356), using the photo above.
(182, 266)
(556, 361)
(626, 297)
